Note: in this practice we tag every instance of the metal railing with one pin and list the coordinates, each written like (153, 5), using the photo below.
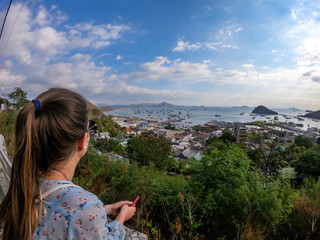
(5, 170)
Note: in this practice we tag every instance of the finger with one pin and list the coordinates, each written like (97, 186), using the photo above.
(126, 202)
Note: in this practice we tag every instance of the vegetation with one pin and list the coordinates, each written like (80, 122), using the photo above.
(308, 163)
(268, 156)
(147, 148)
(234, 192)
(7, 126)
(106, 124)
(224, 196)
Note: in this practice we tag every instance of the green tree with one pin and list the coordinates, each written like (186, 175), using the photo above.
(232, 196)
(269, 155)
(308, 163)
(109, 145)
(228, 137)
(215, 143)
(303, 141)
(19, 97)
(148, 148)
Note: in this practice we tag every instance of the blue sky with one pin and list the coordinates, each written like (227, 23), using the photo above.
(214, 53)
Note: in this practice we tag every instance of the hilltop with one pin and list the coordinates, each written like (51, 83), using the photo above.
(315, 114)
(263, 110)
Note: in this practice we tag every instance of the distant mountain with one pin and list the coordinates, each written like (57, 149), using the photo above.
(315, 114)
(106, 108)
(162, 104)
(294, 109)
(263, 110)
(244, 106)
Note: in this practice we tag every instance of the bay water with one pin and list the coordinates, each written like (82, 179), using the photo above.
(191, 116)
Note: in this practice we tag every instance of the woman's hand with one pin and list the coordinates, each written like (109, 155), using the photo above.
(126, 213)
(114, 209)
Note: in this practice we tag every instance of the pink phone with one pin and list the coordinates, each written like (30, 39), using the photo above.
(134, 202)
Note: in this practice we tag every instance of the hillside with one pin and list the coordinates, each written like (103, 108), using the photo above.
(94, 111)
(263, 110)
(106, 108)
(315, 114)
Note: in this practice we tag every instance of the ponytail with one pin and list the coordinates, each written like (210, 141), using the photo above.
(18, 210)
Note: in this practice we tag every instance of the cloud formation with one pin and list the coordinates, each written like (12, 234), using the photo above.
(223, 39)
(43, 52)
(43, 55)
(182, 46)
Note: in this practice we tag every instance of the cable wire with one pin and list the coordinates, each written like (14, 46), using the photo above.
(14, 23)
(5, 18)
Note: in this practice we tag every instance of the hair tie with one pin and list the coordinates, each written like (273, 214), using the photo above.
(38, 106)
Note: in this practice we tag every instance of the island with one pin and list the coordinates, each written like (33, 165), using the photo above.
(315, 115)
(264, 111)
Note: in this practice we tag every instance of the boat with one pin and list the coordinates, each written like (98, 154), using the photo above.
(242, 113)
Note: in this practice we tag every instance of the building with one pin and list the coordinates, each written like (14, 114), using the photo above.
(240, 131)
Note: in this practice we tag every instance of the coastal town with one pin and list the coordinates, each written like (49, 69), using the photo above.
(191, 142)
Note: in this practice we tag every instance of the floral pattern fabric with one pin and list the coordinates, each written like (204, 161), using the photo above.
(72, 213)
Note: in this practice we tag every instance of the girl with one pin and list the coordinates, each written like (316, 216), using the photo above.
(52, 134)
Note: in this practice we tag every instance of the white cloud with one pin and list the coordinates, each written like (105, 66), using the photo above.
(203, 12)
(97, 36)
(305, 33)
(43, 18)
(34, 40)
(119, 57)
(182, 46)
(207, 61)
(223, 39)
(163, 68)
(293, 14)
(227, 32)
(10, 79)
(187, 46)
(248, 65)
(40, 53)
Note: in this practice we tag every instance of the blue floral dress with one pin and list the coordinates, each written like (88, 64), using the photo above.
(73, 213)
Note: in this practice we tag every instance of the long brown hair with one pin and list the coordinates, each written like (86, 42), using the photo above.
(41, 141)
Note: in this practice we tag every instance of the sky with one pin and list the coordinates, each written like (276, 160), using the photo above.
(185, 52)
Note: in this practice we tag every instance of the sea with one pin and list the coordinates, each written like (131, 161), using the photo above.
(186, 116)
